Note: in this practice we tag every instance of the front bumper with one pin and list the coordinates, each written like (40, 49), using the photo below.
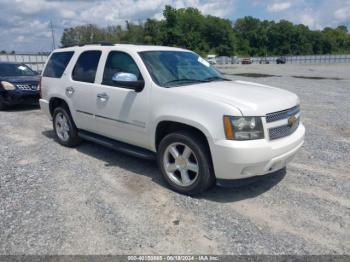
(19, 97)
(244, 159)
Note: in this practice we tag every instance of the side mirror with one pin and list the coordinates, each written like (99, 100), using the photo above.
(128, 80)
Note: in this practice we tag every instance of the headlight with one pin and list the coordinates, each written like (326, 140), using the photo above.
(243, 128)
(7, 85)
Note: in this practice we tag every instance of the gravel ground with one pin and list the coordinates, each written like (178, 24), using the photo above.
(91, 200)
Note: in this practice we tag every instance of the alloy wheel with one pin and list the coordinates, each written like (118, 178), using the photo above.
(62, 126)
(181, 164)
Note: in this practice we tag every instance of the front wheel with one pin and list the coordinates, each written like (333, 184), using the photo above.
(185, 163)
(2, 104)
(64, 127)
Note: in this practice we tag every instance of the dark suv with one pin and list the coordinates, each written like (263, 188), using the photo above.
(281, 60)
(18, 84)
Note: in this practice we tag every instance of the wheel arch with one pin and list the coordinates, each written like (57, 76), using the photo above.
(166, 127)
(56, 102)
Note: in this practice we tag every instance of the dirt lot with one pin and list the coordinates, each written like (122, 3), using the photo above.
(91, 200)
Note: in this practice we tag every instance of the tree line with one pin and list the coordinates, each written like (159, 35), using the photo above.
(206, 34)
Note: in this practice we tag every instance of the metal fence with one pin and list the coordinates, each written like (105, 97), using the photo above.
(37, 61)
(309, 59)
(34, 61)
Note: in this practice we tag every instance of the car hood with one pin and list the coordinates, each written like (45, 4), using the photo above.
(20, 79)
(251, 99)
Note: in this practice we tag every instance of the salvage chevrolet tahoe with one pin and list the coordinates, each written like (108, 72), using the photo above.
(172, 105)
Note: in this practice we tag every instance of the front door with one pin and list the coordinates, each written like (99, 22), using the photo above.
(121, 113)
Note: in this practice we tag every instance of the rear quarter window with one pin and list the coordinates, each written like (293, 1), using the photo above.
(57, 64)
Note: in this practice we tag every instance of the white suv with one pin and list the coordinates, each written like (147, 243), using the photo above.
(172, 105)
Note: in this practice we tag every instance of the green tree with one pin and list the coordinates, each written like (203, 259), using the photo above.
(134, 33)
(189, 28)
(152, 32)
(219, 35)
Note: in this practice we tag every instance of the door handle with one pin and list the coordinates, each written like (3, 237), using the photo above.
(69, 91)
(103, 97)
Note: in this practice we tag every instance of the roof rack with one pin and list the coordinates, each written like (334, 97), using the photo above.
(98, 43)
(93, 43)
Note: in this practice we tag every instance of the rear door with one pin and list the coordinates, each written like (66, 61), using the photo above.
(82, 90)
(51, 82)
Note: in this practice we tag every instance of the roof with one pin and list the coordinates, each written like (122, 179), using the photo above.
(126, 47)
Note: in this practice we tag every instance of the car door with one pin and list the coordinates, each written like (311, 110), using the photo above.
(82, 90)
(121, 113)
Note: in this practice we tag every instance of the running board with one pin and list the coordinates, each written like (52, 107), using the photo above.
(118, 146)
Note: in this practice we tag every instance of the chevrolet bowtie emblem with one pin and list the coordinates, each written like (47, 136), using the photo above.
(291, 121)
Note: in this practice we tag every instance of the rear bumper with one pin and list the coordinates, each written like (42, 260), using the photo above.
(244, 159)
(18, 97)
(45, 108)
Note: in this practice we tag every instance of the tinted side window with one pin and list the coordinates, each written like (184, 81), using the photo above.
(57, 64)
(119, 62)
(86, 66)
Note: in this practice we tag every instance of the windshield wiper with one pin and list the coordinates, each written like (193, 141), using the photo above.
(185, 80)
(213, 78)
(208, 79)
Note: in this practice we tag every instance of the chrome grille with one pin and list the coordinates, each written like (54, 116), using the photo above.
(27, 87)
(283, 131)
(282, 128)
(282, 114)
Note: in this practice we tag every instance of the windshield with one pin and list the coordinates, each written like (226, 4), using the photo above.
(15, 70)
(174, 68)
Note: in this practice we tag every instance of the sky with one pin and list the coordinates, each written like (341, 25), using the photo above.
(25, 24)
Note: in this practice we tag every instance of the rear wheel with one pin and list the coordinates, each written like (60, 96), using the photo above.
(65, 130)
(185, 163)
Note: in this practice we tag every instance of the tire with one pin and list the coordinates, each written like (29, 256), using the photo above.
(180, 173)
(65, 130)
(2, 104)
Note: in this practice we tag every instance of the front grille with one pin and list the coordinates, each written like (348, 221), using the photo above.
(282, 114)
(27, 87)
(283, 131)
